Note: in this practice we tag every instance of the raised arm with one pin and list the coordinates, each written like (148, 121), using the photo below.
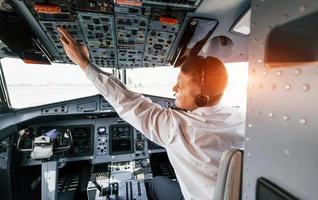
(149, 118)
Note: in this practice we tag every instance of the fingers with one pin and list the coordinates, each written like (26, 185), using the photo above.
(64, 44)
(66, 35)
(66, 47)
(63, 40)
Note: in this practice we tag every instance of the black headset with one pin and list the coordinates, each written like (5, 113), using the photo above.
(202, 99)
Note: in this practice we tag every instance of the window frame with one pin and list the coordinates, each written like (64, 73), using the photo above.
(239, 20)
(5, 104)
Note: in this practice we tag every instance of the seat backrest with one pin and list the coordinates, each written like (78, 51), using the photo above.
(228, 186)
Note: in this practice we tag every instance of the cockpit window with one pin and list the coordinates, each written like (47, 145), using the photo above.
(33, 85)
(154, 81)
(159, 82)
(236, 91)
(243, 26)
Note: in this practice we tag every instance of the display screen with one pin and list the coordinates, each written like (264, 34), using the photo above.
(82, 139)
(121, 139)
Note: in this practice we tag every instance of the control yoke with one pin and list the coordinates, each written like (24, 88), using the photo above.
(44, 146)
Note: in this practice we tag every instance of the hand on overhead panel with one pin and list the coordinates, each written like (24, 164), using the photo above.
(77, 52)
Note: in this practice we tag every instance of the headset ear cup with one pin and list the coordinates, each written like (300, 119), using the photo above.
(202, 100)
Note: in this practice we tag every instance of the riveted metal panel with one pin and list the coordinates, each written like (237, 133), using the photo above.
(282, 113)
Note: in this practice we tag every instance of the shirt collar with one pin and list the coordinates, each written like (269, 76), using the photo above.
(207, 109)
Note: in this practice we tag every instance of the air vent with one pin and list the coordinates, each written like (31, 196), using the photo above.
(55, 110)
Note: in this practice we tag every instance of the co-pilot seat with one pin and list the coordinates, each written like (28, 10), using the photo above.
(229, 180)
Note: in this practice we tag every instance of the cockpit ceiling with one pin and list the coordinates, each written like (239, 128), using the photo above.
(121, 34)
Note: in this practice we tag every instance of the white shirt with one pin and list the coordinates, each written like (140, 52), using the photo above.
(195, 141)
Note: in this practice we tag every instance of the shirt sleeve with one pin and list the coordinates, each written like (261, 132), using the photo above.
(150, 118)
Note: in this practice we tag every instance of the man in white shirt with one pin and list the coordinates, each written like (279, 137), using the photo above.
(195, 139)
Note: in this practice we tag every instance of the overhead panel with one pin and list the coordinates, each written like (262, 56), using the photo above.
(158, 46)
(99, 36)
(131, 26)
(120, 34)
(50, 28)
(175, 3)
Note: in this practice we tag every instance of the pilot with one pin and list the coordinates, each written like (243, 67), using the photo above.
(194, 137)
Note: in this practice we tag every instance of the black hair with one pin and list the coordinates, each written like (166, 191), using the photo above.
(215, 74)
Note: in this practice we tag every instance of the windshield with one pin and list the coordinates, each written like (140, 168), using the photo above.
(159, 82)
(33, 85)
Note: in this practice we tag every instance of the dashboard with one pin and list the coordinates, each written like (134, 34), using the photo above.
(106, 156)
(99, 135)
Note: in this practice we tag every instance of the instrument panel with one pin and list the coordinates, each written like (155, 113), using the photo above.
(99, 37)
(75, 138)
(118, 141)
(100, 137)
(82, 140)
(118, 34)
(103, 140)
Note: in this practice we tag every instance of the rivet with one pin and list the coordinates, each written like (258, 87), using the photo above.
(250, 125)
(305, 87)
(246, 169)
(303, 121)
(297, 71)
(247, 139)
(279, 73)
(302, 8)
(286, 152)
(249, 184)
(261, 45)
(285, 15)
(260, 60)
(264, 73)
(241, 54)
(253, 71)
(249, 155)
(287, 87)
(255, 39)
(256, 7)
(259, 113)
(285, 117)
(274, 86)
(245, 195)
(271, 114)
(254, 24)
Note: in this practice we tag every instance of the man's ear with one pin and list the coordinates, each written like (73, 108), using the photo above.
(202, 100)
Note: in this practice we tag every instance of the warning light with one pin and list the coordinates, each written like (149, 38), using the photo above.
(168, 20)
(47, 8)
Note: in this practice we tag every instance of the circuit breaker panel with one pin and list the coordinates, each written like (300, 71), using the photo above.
(120, 34)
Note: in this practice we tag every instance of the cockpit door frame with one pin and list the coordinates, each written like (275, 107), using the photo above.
(5, 103)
